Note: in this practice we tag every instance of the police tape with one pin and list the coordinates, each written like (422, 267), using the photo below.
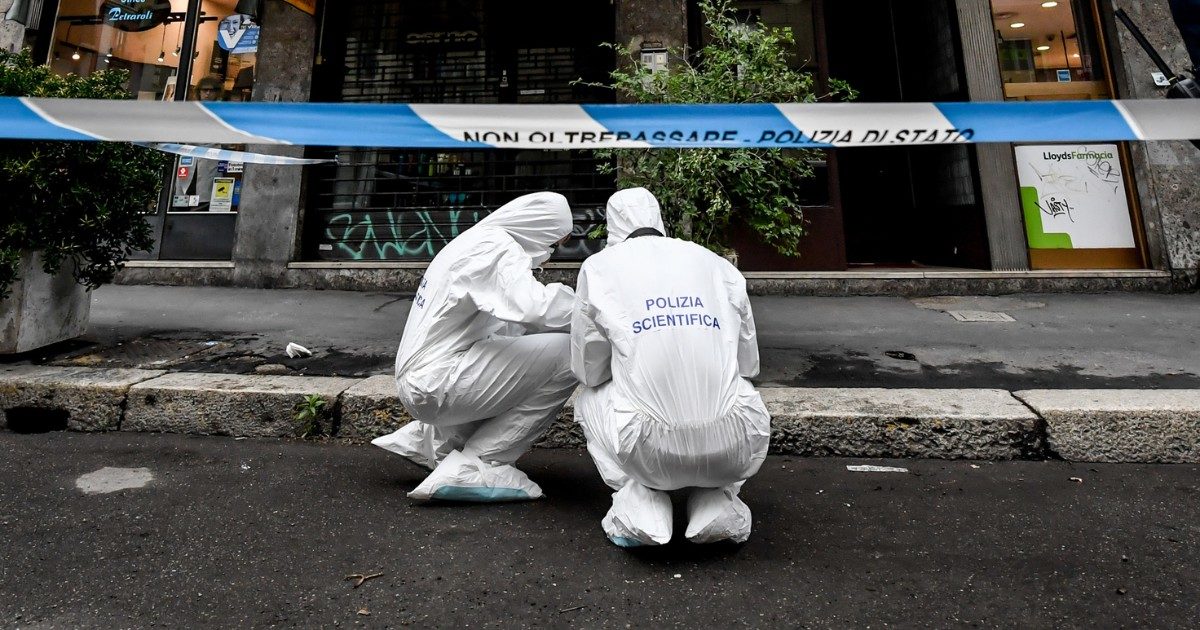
(245, 157)
(790, 125)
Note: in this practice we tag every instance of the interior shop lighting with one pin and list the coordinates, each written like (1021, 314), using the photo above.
(1043, 48)
(1049, 5)
(1017, 25)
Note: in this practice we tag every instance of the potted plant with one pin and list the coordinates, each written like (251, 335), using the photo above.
(704, 191)
(70, 212)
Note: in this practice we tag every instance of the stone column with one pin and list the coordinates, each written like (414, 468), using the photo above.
(268, 228)
(1167, 173)
(997, 170)
(12, 35)
(658, 22)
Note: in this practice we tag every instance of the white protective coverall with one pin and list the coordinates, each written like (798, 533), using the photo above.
(662, 337)
(481, 389)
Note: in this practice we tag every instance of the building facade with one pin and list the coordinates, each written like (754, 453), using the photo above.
(946, 219)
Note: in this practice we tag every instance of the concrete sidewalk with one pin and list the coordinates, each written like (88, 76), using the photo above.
(1129, 341)
(1083, 377)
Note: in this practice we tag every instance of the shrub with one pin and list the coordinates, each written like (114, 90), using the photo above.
(76, 202)
(702, 190)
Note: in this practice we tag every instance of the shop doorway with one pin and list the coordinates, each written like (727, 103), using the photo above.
(914, 206)
(405, 205)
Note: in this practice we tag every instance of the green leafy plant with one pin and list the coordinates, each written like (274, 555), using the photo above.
(309, 414)
(703, 190)
(76, 202)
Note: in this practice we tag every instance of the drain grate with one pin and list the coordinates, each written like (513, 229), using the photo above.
(29, 420)
(981, 316)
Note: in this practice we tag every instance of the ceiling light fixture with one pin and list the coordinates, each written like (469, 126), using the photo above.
(75, 55)
(1043, 48)
(1049, 5)
(1017, 25)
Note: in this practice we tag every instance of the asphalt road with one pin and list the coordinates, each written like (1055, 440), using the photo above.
(1057, 341)
(250, 533)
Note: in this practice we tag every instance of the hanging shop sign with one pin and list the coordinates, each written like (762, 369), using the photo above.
(135, 15)
(238, 34)
(1074, 197)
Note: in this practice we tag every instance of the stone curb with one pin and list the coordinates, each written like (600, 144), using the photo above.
(1142, 426)
(226, 404)
(991, 424)
(93, 399)
(904, 423)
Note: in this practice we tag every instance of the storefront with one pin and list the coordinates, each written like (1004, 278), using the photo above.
(1077, 201)
(1057, 211)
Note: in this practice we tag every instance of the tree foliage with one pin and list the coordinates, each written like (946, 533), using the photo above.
(702, 190)
(77, 202)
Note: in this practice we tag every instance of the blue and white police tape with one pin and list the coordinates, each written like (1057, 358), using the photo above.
(245, 157)
(791, 125)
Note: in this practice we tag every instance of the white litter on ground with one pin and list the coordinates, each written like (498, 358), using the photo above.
(876, 469)
(108, 480)
(295, 350)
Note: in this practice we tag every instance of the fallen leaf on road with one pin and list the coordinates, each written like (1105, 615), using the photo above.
(364, 612)
(1077, 479)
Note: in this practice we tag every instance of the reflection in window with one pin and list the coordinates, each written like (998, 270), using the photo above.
(146, 39)
(1048, 50)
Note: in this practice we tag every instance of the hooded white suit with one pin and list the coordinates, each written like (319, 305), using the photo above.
(663, 339)
(482, 390)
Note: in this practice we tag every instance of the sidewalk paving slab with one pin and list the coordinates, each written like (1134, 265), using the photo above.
(911, 423)
(1129, 425)
(226, 404)
(93, 399)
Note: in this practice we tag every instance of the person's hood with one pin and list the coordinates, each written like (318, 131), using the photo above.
(631, 210)
(536, 222)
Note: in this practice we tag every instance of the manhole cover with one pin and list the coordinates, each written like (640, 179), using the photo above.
(980, 316)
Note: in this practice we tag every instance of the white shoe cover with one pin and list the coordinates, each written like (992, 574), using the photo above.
(414, 442)
(467, 478)
(717, 514)
(639, 517)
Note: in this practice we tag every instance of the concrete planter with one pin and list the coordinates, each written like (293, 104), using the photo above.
(42, 309)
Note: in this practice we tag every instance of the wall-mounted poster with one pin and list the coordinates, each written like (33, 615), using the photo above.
(1074, 197)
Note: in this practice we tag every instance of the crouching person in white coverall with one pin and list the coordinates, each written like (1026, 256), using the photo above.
(484, 364)
(663, 339)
